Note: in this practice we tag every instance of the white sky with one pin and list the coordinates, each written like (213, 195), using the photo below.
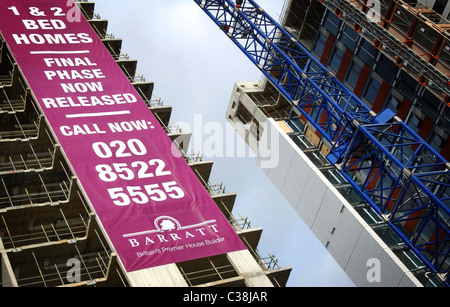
(194, 67)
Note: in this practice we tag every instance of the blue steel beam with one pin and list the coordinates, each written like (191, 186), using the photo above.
(388, 164)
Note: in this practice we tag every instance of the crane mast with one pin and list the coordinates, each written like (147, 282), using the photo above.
(394, 170)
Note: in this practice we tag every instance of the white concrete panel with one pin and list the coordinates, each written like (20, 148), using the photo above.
(267, 156)
(279, 169)
(393, 265)
(311, 198)
(262, 161)
(364, 261)
(446, 13)
(391, 272)
(345, 238)
(296, 179)
(328, 216)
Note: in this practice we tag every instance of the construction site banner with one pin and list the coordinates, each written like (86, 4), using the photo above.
(153, 207)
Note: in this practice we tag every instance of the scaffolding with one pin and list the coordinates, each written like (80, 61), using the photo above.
(41, 203)
(408, 32)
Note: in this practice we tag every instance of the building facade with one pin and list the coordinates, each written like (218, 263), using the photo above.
(359, 238)
(50, 233)
(380, 78)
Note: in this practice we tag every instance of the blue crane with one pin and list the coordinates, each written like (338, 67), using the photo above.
(394, 170)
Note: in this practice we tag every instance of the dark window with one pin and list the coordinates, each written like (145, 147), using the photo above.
(354, 73)
(429, 104)
(444, 124)
(319, 46)
(296, 124)
(393, 103)
(386, 69)
(349, 37)
(372, 90)
(367, 52)
(436, 142)
(414, 122)
(336, 59)
(439, 6)
(332, 23)
(407, 86)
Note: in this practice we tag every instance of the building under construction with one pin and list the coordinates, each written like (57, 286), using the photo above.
(355, 108)
(400, 61)
(48, 223)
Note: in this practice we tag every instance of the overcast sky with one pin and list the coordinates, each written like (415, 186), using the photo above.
(194, 67)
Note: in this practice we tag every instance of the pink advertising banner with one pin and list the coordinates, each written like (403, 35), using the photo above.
(148, 199)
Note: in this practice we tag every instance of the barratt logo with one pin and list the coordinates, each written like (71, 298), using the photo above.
(167, 229)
